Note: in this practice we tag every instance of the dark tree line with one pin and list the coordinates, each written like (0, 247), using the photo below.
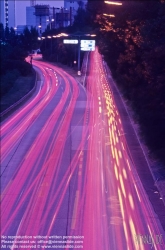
(133, 45)
(13, 51)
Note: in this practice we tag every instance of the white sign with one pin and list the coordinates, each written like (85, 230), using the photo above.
(87, 45)
(69, 41)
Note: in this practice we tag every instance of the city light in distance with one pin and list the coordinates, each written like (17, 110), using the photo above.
(109, 15)
(115, 3)
(64, 34)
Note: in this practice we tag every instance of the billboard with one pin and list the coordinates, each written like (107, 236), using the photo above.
(87, 45)
(70, 41)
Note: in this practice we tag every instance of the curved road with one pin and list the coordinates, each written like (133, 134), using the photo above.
(67, 171)
(41, 147)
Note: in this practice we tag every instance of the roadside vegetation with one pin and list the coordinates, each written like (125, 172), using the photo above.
(13, 51)
(132, 43)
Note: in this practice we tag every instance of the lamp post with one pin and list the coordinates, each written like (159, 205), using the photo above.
(39, 26)
(50, 20)
(79, 35)
(50, 37)
(54, 36)
(41, 40)
(108, 15)
(113, 3)
(15, 29)
(79, 54)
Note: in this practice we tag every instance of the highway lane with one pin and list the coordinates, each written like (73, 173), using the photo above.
(41, 145)
(116, 212)
(67, 169)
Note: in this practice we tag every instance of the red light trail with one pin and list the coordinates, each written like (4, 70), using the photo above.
(67, 169)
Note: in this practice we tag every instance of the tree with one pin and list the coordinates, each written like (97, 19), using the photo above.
(29, 39)
(2, 32)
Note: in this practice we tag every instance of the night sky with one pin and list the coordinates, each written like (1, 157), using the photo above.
(21, 8)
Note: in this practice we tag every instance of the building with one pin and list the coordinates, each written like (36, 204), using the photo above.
(7, 13)
(30, 17)
(75, 4)
(38, 16)
(44, 16)
(62, 17)
(72, 7)
(2, 12)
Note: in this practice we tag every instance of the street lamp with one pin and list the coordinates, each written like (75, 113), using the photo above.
(41, 40)
(54, 36)
(79, 35)
(39, 26)
(15, 30)
(50, 37)
(113, 3)
(110, 15)
(50, 20)
(64, 34)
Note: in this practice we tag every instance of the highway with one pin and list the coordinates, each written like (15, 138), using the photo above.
(66, 169)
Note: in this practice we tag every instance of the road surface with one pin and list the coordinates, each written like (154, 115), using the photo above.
(67, 173)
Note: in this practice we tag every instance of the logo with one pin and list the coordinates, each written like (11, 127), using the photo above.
(149, 239)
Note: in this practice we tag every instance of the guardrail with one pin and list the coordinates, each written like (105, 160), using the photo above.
(84, 68)
(13, 107)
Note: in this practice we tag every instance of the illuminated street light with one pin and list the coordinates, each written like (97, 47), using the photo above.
(114, 3)
(110, 15)
(51, 41)
(64, 34)
(89, 35)
(39, 27)
(15, 29)
(50, 20)
(79, 35)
